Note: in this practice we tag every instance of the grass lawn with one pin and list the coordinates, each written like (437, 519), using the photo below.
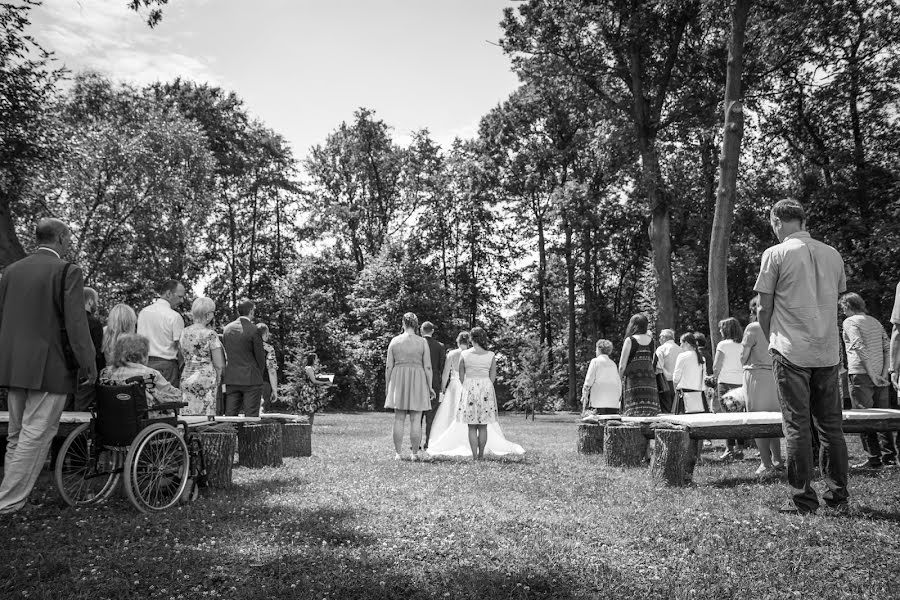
(350, 522)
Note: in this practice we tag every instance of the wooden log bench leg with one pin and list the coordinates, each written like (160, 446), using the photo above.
(260, 445)
(218, 454)
(674, 457)
(590, 438)
(297, 439)
(624, 446)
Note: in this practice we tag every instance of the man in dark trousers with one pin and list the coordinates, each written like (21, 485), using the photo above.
(245, 362)
(45, 348)
(438, 356)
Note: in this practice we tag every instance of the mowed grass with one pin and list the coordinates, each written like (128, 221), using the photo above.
(350, 522)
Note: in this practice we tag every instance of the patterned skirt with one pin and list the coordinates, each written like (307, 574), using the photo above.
(640, 397)
(478, 405)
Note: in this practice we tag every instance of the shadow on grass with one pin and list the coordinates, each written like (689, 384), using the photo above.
(876, 514)
(732, 482)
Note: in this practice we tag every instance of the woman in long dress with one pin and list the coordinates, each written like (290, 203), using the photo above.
(637, 367)
(759, 385)
(451, 437)
(407, 375)
(204, 360)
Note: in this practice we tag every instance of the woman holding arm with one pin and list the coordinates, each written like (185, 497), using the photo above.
(478, 408)
(204, 359)
(407, 375)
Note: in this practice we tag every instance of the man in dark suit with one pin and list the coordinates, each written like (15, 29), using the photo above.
(41, 306)
(438, 356)
(84, 395)
(245, 362)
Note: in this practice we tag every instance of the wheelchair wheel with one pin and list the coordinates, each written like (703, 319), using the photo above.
(84, 472)
(156, 468)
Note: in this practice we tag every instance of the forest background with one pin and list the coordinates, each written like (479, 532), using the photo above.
(588, 195)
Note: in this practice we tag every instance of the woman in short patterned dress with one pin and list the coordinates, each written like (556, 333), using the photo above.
(637, 367)
(270, 375)
(204, 360)
(407, 376)
(478, 406)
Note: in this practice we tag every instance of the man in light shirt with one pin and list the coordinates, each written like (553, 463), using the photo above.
(162, 326)
(799, 282)
(666, 355)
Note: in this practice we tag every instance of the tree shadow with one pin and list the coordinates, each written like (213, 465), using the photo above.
(877, 514)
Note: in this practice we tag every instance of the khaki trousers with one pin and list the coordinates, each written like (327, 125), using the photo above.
(33, 422)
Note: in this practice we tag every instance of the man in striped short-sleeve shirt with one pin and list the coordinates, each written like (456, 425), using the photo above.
(868, 363)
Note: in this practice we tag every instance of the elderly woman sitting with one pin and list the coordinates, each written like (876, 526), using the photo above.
(130, 354)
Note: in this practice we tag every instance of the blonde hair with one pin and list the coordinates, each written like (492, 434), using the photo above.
(122, 319)
(201, 308)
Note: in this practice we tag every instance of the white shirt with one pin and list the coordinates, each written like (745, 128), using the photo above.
(666, 356)
(162, 326)
(604, 382)
(732, 370)
(688, 372)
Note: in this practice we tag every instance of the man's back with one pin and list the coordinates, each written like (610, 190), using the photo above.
(31, 324)
(438, 357)
(806, 277)
(667, 354)
(245, 356)
(162, 326)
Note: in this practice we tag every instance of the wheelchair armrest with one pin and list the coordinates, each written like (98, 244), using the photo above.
(168, 406)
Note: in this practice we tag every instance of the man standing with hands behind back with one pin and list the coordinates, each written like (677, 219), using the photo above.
(162, 325)
(800, 280)
(245, 361)
(44, 343)
(438, 357)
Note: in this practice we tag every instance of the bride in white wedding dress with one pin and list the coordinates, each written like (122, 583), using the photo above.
(451, 437)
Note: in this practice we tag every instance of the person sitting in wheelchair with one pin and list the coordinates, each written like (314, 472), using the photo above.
(130, 354)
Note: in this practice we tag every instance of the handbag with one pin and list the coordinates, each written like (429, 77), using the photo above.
(691, 402)
(68, 353)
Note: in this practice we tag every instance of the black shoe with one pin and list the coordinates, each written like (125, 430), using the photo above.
(866, 466)
(792, 509)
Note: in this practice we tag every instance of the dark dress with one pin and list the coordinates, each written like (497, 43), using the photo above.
(640, 397)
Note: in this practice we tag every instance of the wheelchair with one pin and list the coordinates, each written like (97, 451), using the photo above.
(124, 440)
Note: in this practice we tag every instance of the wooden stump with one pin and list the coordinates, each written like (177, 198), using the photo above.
(259, 445)
(297, 439)
(624, 446)
(673, 458)
(590, 438)
(218, 454)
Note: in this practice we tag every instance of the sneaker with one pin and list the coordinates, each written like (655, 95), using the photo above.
(414, 457)
(764, 471)
(397, 456)
(866, 466)
(727, 455)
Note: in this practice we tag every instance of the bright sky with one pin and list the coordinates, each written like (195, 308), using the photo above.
(303, 66)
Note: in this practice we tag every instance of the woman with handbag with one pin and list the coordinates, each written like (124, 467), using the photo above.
(688, 378)
(637, 367)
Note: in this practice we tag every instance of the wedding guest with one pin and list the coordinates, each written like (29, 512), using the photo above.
(130, 359)
(688, 377)
(868, 363)
(602, 389)
(703, 347)
(438, 355)
(894, 368)
(121, 320)
(204, 360)
(245, 363)
(478, 407)
(45, 348)
(729, 374)
(759, 386)
(407, 375)
(162, 325)
(86, 392)
(799, 282)
(637, 368)
(666, 355)
(270, 374)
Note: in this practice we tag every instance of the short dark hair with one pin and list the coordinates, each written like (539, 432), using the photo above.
(48, 229)
(311, 359)
(169, 285)
(789, 210)
(427, 327)
(245, 307)
(731, 329)
(853, 301)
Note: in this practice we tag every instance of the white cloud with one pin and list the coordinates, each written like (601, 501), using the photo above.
(105, 36)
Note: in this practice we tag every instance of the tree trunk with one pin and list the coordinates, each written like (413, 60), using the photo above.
(590, 438)
(570, 285)
(731, 151)
(542, 278)
(10, 248)
(218, 454)
(623, 445)
(260, 445)
(297, 439)
(673, 458)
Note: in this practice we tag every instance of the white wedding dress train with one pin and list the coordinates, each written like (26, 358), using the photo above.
(449, 437)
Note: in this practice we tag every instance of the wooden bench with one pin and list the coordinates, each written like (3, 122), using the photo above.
(623, 440)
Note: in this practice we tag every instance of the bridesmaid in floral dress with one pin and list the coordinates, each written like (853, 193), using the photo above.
(204, 360)
(478, 407)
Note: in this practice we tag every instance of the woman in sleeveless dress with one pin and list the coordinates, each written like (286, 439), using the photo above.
(478, 406)
(204, 360)
(407, 375)
(451, 437)
(637, 367)
(759, 385)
